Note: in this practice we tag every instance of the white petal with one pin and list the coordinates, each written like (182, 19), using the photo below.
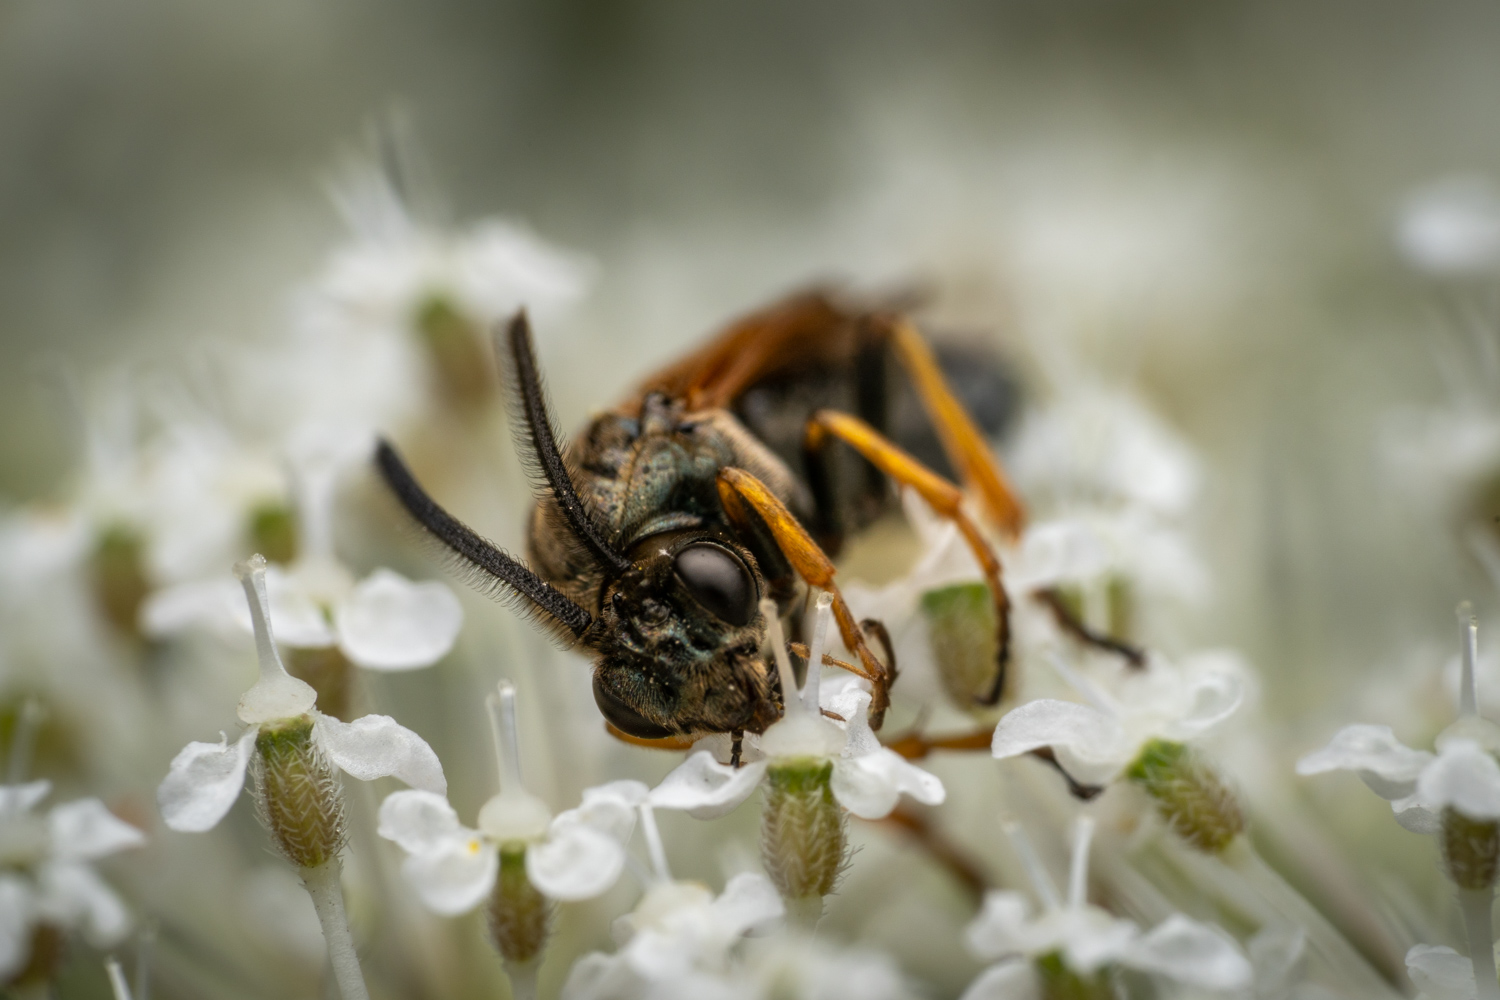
(23, 798)
(609, 808)
(998, 928)
(203, 782)
(296, 619)
(1416, 817)
(84, 829)
(1094, 939)
(597, 976)
(1013, 980)
(1387, 765)
(454, 878)
(377, 745)
(1215, 689)
(420, 821)
(748, 903)
(868, 786)
(1092, 745)
(1192, 953)
(1465, 777)
(575, 862)
(704, 788)
(213, 604)
(1440, 973)
(390, 623)
(74, 895)
(17, 915)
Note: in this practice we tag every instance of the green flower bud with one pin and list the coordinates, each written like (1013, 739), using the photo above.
(298, 795)
(1471, 850)
(273, 532)
(961, 633)
(520, 918)
(1189, 795)
(118, 571)
(802, 832)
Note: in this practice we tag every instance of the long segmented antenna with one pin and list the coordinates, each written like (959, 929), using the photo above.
(475, 551)
(530, 403)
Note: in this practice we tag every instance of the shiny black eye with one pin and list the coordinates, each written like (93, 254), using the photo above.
(624, 718)
(719, 581)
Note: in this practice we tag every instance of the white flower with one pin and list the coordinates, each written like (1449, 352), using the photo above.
(206, 778)
(575, 855)
(1090, 938)
(867, 779)
(383, 622)
(679, 943)
(1095, 742)
(45, 875)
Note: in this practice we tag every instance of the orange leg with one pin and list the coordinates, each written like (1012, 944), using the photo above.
(962, 440)
(941, 495)
(742, 494)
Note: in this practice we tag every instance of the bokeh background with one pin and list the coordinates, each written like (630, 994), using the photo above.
(1199, 197)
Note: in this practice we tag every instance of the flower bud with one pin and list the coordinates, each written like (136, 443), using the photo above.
(1059, 982)
(456, 347)
(1471, 850)
(118, 572)
(1189, 795)
(297, 793)
(273, 532)
(802, 831)
(961, 634)
(520, 917)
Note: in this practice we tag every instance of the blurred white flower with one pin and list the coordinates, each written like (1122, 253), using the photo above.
(383, 622)
(205, 778)
(679, 943)
(45, 875)
(575, 855)
(1440, 973)
(1088, 939)
(1451, 227)
(1095, 742)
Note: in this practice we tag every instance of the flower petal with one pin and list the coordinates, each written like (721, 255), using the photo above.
(997, 931)
(1414, 816)
(390, 623)
(213, 604)
(1464, 777)
(1440, 973)
(704, 788)
(84, 829)
(1214, 690)
(869, 786)
(1012, 980)
(17, 915)
(377, 745)
(575, 862)
(23, 798)
(202, 783)
(75, 896)
(1192, 953)
(609, 808)
(1092, 745)
(1387, 765)
(296, 618)
(454, 878)
(420, 821)
(749, 902)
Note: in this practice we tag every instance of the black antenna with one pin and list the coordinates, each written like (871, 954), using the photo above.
(529, 403)
(483, 556)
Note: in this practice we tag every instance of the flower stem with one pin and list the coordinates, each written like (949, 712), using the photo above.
(1078, 874)
(117, 984)
(322, 884)
(522, 976)
(1475, 904)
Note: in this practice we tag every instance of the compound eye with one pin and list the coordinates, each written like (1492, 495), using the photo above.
(718, 581)
(624, 718)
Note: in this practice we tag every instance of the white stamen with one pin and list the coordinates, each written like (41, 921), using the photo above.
(1078, 874)
(502, 709)
(252, 574)
(778, 650)
(810, 686)
(1468, 685)
(277, 695)
(314, 480)
(653, 843)
(23, 741)
(1046, 891)
(117, 983)
(1082, 687)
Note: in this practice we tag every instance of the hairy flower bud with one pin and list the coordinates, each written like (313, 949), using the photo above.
(802, 830)
(1471, 850)
(1189, 795)
(520, 917)
(297, 793)
(961, 633)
